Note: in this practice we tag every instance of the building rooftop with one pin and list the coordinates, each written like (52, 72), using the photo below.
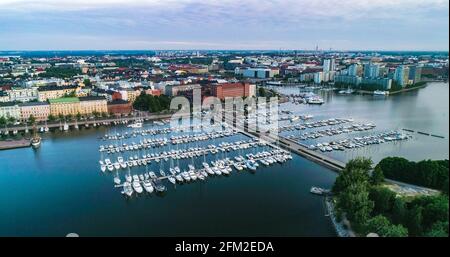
(92, 98)
(64, 100)
(33, 104)
(118, 101)
(6, 104)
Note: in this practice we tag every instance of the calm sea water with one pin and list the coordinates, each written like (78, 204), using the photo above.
(59, 188)
(425, 110)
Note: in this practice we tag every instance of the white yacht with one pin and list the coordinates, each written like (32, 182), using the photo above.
(137, 186)
(148, 186)
(127, 189)
(135, 125)
(172, 180)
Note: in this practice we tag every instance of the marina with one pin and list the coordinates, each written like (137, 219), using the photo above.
(251, 153)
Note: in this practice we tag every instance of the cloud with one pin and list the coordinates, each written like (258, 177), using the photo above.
(208, 23)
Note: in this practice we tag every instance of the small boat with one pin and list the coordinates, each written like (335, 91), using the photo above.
(159, 186)
(36, 142)
(137, 186)
(135, 125)
(172, 180)
(117, 180)
(127, 189)
(103, 167)
(110, 167)
(319, 191)
(148, 186)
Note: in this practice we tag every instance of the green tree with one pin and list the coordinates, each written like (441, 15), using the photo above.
(349, 176)
(414, 221)
(61, 117)
(356, 203)
(377, 176)
(399, 211)
(261, 92)
(51, 118)
(11, 120)
(104, 114)
(3, 121)
(96, 114)
(87, 82)
(32, 119)
(383, 199)
(383, 227)
(78, 116)
(439, 229)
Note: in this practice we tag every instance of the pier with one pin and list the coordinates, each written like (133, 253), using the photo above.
(423, 133)
(296, 148)
(12, 144)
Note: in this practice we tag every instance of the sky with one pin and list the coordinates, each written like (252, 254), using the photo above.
(224, 24)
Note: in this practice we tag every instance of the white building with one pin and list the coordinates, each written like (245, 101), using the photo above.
(21, 94)
(261, 73)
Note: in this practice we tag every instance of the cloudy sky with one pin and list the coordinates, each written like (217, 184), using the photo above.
(224, 24)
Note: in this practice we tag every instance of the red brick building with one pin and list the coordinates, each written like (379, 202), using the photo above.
(233, 90)
(116, 96)
(119, 107)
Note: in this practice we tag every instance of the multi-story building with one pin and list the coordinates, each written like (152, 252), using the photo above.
(224, 90)
(385, 83)
(353, 70)
(91, 104)
(260, 73)
(329, 65)
(53, 92)
(4, 97)
(371, 70)
(318, 77)
(130, 94)
(174, 90)
(415, 73)
(119, 107)
(23, 94)
(39, 110)
(10, 109)
(401, 75)
(347, 79)
(64, 106)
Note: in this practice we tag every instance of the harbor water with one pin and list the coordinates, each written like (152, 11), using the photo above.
(425, 110)
(59, 189)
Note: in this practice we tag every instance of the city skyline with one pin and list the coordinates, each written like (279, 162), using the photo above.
(250, 25)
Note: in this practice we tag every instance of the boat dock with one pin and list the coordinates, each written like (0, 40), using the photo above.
(423, 133)
(13, 144)
(296, 148)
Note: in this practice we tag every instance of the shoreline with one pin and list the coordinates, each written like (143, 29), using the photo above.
(339, 227)
(366, 92)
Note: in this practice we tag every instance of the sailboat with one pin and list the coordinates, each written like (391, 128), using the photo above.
(36, 140)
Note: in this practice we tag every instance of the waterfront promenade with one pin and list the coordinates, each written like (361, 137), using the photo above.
(89, 122)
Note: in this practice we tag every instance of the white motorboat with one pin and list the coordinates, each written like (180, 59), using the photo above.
(103, 168)
(135, 125)
(148, 186)
(110, 167)
(116, 166)
(127, 189)
(172, 180)
(137, 187)
(117, 180)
